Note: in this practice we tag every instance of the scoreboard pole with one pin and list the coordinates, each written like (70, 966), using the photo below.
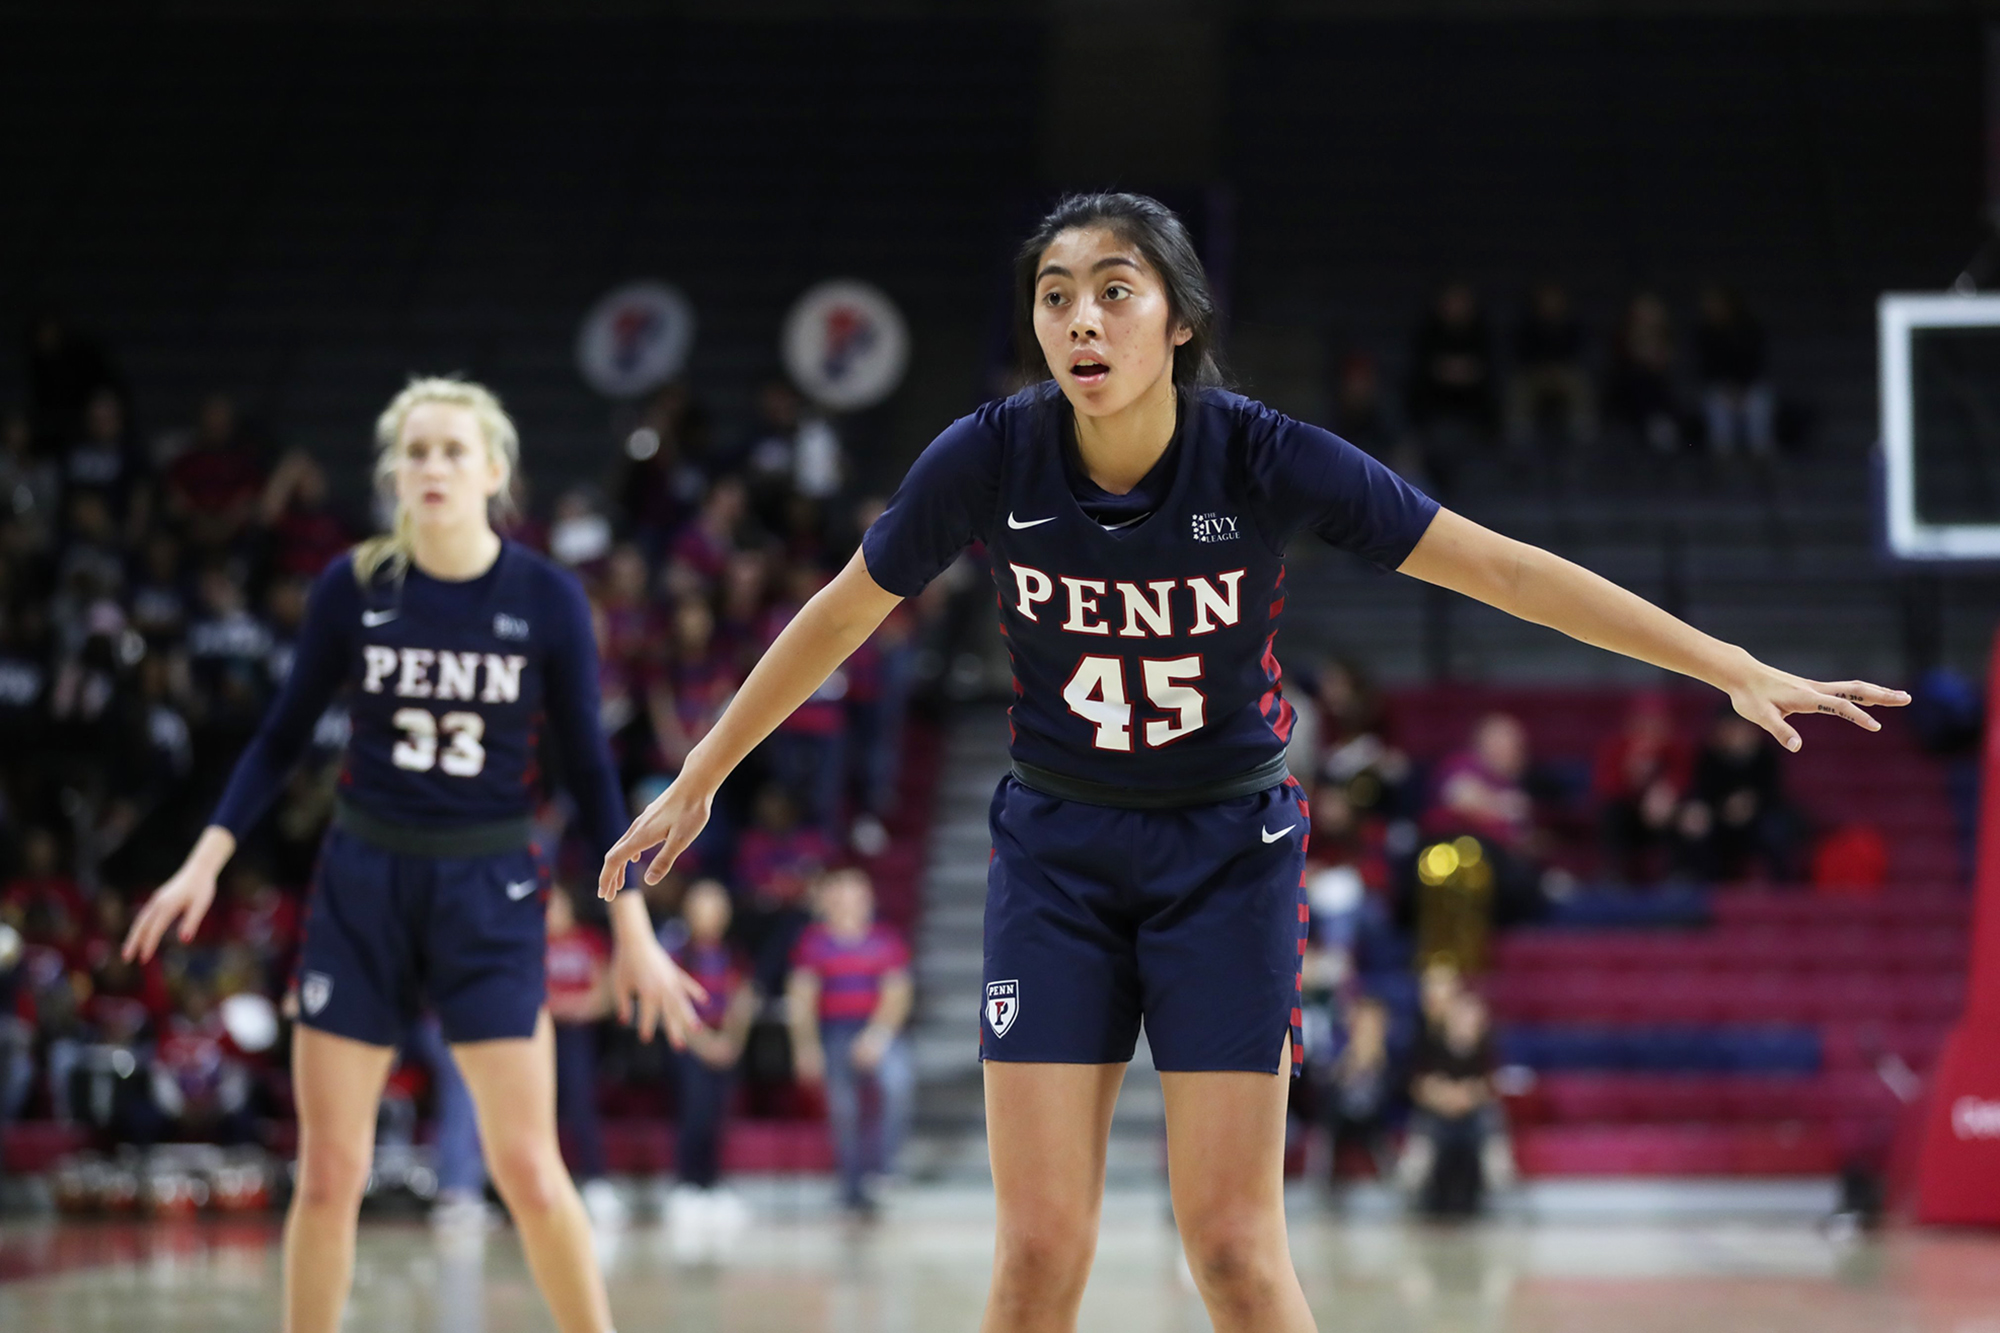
(1958, 1163)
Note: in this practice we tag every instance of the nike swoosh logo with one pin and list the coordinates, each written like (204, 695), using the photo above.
(373, 618)
(1273, 837)
(1017, 524)
(520, 888)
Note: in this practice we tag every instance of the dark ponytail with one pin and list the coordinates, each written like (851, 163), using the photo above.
(1151, 228)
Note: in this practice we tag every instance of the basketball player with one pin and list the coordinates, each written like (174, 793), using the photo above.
(1149, 844)
(451, 646)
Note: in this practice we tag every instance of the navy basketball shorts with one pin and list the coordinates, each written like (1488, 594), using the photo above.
(387, 935)
(1191, 921)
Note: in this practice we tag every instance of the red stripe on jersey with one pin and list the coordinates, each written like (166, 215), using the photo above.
(1277, 608)
(1305, 914)
(1282, 728)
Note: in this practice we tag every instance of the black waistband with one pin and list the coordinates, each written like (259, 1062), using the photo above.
(490, 839)
(1060, 785)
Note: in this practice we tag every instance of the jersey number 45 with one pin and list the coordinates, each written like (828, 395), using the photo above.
(1096, 693)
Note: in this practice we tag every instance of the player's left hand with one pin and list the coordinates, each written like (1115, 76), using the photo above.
(1767, 696)
(652, 992)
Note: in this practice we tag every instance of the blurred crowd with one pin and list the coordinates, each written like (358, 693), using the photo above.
(151, 588)
(1415, 860)
(1544, 389)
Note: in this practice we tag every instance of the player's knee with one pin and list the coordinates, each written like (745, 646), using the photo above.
(530, 1176)
(1044, 1257)
(1235, 1259)
(333, 1176)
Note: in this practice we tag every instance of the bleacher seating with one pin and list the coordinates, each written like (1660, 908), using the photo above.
(1725, 1030)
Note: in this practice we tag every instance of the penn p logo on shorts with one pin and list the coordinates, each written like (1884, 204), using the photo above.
(1003, 1004)
(315, 989)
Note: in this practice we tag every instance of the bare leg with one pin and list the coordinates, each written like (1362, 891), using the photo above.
(338, 1082)
(513, 1084)
(1046, 1129)
(1226, 1160)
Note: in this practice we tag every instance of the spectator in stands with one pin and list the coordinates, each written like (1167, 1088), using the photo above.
(1550, 390)
(808, 751)
(256, 913)
(159, 595)
(687, 694)
(1482, 789)
(1736, 819)
(747, 578)
(636, 629)
(1457, 1145)
(1453, 396)
(847, 1001)
(705, 1071)
(41, 880)
(1639, 392)
(664, 477)
(777, 863)
(580, 536)
(706, 545)
(105, 461)
(579, 972)
(880, 675)
(215, 486)
(29, 489)
(201, 1088)
(1637, 782)
(1353, 748)
(1360, 1087)
(1736, 399)
(1439, 982)
(229, 656)
(1362, 413)
(304, 530)
(792, 452)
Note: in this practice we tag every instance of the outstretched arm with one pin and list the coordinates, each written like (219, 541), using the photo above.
(838, 619)
(1535, 585)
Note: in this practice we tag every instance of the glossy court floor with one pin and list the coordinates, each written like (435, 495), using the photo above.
(923, 1269)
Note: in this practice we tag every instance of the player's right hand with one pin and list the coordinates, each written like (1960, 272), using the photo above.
(670, 823)
(184, 899)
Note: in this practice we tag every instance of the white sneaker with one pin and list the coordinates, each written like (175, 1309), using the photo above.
(605, 1204)
(728, 1215)
(1413, 1169)
(1496, 1161)
(464, 1213)
(688, 1228)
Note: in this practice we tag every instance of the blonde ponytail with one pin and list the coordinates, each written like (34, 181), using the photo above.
(393, 548)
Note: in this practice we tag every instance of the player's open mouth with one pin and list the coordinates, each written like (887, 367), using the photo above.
(1089, 372)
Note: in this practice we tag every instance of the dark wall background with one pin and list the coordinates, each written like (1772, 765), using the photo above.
(305, 210)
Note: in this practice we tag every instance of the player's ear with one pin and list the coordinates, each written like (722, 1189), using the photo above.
(1181, 334)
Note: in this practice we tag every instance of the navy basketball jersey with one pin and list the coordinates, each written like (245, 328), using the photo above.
(1145, 653)
(448, 686)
